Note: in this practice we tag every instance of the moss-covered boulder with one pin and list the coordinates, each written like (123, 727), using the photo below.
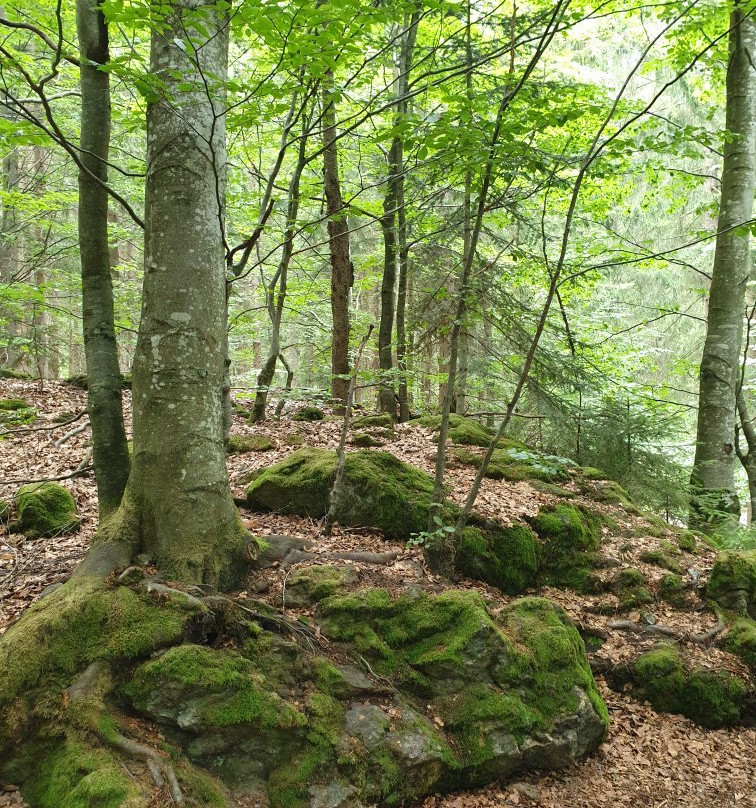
(381, 421)
(308, 414)
(506, 557)
(710, 698)
(379, 490)
(571, 538)
(203, 691)
(672, 589)
(732, 582)
(241, 444)
(741, 641)
(661, 558)
(463, 431)
(514, 465)
(16, 412)
(45, 509)
(365, 440)
(309, 585)
(502, 686)
(442, 694)
(632, 592)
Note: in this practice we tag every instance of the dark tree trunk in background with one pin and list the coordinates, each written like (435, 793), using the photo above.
(712, 480)
(342, 276)
(110, 454)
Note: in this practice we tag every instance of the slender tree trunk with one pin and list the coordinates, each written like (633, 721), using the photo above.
(277, 289)
(177, 507)
(342, 275)
(712, 480)
(10, 261)
(110, 455)
(386, 398)
(394, 225)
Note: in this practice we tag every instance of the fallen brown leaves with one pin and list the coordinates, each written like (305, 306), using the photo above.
(649, 759)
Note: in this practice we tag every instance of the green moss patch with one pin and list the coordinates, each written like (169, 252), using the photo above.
(78, 775)
(732, 582)
(77, 624)
(16, 412)
(661, 559)
(711, 699)
(294, 439)
(506, 557)
(673, 590)
(383, 420)
(379, 490)
(571, 536)
(45, 509)
(365, 440)
(308, 414)
(241, 444)
(203, 688)
(630, 586)
(514, 465)
(741, 641)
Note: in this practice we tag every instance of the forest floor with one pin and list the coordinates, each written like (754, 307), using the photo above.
(649, 758)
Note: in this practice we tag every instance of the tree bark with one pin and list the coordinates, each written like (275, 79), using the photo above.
(712, 480)
(177, 507)
(110, 455)
(342, 275)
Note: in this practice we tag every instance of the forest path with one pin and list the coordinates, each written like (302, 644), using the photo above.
(649, 759)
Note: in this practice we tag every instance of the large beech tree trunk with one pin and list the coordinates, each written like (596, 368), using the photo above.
(713, 471)
(110, 455)
(177, 507)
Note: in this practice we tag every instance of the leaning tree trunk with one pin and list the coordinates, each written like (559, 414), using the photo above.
(342, 276)
(712, 480)
(110, 455)
(177, 508)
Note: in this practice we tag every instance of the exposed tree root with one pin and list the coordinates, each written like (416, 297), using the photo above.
(89, 684)
(666, 631)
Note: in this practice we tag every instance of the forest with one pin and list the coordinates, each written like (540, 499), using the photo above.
(377, 403)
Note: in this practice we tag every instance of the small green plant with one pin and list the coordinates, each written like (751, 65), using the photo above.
(426, 539)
